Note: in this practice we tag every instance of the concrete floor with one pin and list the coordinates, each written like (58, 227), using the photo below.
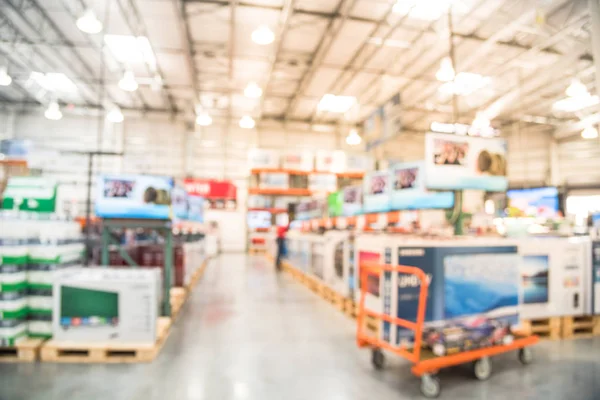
(247, 333)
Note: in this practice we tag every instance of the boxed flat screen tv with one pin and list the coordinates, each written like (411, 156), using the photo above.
(106, 305)
(409, 192)
(134, 196)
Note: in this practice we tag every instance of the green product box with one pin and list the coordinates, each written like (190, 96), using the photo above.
(13, 305)
(13, 278)
(30, 194)
(12, 332)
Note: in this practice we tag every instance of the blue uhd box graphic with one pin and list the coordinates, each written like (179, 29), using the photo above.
(464, 281)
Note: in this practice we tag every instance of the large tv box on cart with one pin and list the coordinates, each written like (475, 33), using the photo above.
(106, 305)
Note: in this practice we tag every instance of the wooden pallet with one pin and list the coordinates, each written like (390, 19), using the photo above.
(545, 328)
(257, 250)
(350, 308)
(178, 298)
(580, 327)
(113, 353)
(25, 351)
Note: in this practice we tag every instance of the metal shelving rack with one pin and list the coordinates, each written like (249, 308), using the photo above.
(163, 227)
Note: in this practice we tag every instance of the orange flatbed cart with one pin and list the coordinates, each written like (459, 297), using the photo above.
(425, 363)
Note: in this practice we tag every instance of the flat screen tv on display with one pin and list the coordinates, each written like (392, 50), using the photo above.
(535, 202)
(80, 307)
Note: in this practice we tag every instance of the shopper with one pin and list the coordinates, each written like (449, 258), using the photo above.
(281, 231)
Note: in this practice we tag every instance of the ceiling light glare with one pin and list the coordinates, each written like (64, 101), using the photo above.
(131, 49)
(465, 83)
(336, 104)
(5, 79)
(247, 122)
(353, 138)
(204, 119)
(253, 91)
(157, 83)
(53, 82)
(115, 115)
(263, 35)
(572, 104)
(425, 10)
(128, 82)
(589, 133)
(53, 112)
(446, 72)
(576, 89)
(88, 23)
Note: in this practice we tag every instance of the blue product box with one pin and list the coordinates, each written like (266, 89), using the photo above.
(465, 281)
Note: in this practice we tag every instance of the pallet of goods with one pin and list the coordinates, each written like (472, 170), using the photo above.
(580, 327)
(26, 350)
(545, 328)
(106, 352)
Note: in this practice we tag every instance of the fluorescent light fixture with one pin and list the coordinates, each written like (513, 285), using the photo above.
(128, 82)
(576, 89)
(253, 90)
(53, 111)
(353, 138)
(115, 115)
(263, 35)
(589, 133)
(131, 49)
(247, 122)
(204, 119)
(336, 104)
(5, 79)
(426, 10)
(54, 82)
(88, 23)
(446, 72)
(572, 104)
(465, 83)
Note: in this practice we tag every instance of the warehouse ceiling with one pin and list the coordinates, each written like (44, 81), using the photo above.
(513, 59)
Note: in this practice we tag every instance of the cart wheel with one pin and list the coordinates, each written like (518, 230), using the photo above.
(430, 386)
(377, 359)
(482, 368)
(525, 355)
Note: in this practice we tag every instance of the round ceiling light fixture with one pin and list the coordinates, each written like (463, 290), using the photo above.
(263, 35)
(353, 138)
(128, 82)
(253, 91)
(115, 115)
(247, 122)
(53, 112)
(89, 23)
(5, 79)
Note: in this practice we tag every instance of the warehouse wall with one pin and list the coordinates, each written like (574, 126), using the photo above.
(529, 155)
(579, 162)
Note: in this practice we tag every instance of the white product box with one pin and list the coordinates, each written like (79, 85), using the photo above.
(106, 305)
(336, 272)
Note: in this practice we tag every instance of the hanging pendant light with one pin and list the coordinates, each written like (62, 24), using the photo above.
(5, 79)
(589, 132)
(203, 119)
(353, 138)
(253, 91)
(446, 72)
(247, 122)
(115, 115)
(53, 112)
(128, 82)
(263, 35)
(89, 23)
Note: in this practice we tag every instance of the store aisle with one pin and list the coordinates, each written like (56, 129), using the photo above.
(247, 333)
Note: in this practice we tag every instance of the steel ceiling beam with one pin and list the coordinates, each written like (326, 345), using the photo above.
(284, 19)
(184, 27)
(331, 31)
(31, 57)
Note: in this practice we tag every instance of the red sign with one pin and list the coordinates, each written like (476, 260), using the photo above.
(211, 189)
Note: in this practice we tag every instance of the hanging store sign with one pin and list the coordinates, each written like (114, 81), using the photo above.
(217, 194)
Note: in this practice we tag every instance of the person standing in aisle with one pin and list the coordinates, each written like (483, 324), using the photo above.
(281, 231)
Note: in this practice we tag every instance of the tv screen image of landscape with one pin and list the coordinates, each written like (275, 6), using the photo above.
(534, 279)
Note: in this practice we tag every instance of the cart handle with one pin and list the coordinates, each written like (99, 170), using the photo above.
(370, 268)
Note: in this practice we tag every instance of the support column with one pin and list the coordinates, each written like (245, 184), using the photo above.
(594, 6)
